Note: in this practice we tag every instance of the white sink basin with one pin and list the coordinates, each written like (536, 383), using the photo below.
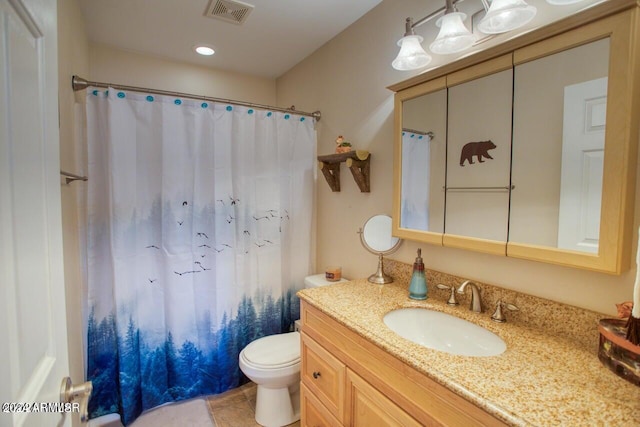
(443, 332)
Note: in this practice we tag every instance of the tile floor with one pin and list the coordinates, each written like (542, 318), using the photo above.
(234, 408)
(192, 413)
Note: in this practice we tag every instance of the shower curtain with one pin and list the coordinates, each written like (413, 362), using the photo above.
(199, 219)
(416, 158)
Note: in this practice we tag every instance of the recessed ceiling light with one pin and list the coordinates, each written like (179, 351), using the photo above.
(204, 50)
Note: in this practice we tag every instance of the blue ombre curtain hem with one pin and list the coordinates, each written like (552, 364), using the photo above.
(199, 219)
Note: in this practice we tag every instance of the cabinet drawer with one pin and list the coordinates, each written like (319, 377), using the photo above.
(314, 413)
(324, 375)
(368, 407)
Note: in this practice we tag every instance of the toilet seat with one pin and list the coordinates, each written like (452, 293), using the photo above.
(273, 351)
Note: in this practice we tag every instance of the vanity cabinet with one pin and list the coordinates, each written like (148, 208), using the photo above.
(346, 380)
(550, 121)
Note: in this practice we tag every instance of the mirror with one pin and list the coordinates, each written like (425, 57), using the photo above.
(479, 156)
(376, 237)
(559, 116)
(559, 185)
(423, 163)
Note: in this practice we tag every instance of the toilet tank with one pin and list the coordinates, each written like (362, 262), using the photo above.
(315, 281)
(318, 280)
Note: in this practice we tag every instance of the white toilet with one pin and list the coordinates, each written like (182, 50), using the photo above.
(273, 363)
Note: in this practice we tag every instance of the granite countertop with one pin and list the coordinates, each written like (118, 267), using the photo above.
(540, 380)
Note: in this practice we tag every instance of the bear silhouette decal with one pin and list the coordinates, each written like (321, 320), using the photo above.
(479, 149)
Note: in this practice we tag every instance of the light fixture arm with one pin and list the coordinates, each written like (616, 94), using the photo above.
(408, 28)
(450, 7)
(450, 4)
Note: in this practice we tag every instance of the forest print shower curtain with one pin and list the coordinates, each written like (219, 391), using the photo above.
(199, 219)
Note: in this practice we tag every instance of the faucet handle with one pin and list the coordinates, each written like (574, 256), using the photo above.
(452, 298)
(497, 315)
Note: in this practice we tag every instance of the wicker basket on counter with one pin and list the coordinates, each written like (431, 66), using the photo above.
(616, 352)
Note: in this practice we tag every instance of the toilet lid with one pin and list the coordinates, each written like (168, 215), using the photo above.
(274, 351)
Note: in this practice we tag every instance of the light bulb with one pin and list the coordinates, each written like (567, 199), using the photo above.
(506, 15)
(411, 56)
(204, 50)
(454, 36)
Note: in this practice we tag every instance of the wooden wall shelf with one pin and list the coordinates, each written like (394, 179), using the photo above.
(357, 161)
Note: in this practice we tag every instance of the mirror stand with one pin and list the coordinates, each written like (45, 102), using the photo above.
(376, 237)
(380, 277)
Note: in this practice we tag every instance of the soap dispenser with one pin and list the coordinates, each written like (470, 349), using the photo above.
(418, 286)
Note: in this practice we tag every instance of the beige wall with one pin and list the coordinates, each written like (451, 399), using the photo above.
(346, 80)
(132, 69)
(73, 58)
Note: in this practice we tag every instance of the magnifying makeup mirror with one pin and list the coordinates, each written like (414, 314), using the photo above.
(376, 237)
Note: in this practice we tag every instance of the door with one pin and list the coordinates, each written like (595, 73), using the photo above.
(585, 106)
(33, 353)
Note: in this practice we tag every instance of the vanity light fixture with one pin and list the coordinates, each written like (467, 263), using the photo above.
(454, 37)
(204, 50)
(506, 15)
(411, 56)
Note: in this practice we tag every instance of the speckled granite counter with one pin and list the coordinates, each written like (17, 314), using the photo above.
(540, 380)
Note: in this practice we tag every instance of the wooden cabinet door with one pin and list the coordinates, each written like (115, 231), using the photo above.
(368, 407)
(313, 412)
(324, 375)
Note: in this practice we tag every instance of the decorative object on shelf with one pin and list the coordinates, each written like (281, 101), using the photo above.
(479, 149)
(633, 325)
(342, 146)
(500, 16)
(357, 161)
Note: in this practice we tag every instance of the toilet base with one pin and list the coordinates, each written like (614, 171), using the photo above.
(277, 407)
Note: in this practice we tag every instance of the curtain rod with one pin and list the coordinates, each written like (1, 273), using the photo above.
(78, 83)
(72, 177)
(419, 132)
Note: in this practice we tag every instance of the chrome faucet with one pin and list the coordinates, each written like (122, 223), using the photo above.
(476, 302)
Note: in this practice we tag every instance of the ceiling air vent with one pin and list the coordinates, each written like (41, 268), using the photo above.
(232, 11)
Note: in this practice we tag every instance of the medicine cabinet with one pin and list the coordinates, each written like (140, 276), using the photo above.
(527, 149)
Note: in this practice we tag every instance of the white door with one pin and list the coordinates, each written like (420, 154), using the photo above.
(33, 348)
(585, 106)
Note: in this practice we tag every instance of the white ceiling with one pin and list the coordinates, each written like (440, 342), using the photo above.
(276, 35)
